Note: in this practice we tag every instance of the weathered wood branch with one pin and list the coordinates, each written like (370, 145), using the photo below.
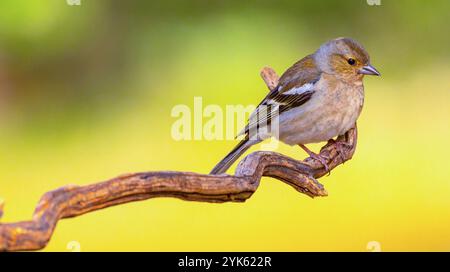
(71, 201)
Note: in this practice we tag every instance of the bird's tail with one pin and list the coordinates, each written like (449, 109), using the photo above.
(226, 162)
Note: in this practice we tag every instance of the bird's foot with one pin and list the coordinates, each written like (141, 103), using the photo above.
(317, 157)
(322, 160)
(340, 148)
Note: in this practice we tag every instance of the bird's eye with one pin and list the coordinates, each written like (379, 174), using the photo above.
(351, 61)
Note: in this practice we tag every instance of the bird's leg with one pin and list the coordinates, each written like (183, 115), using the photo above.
(318, 157)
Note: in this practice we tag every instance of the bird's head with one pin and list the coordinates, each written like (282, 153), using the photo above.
(345, 58)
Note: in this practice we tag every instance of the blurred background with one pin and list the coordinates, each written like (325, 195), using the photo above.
(86, 94)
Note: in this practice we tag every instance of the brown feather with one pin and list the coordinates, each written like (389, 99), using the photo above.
(302, 72)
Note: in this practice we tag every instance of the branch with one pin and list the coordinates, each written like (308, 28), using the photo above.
(71, 201)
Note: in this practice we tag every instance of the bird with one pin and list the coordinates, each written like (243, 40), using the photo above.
(318, 98)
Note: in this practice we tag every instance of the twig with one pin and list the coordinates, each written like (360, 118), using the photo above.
(71, 201)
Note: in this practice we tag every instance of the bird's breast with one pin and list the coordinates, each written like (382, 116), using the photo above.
(332, 111)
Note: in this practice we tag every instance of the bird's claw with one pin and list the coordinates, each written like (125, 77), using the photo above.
(317, 157)
(340, 146)
(322, 160)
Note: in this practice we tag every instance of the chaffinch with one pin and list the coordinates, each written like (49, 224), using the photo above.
(318, 98)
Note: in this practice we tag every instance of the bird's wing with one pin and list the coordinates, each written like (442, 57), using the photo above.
(296, 86)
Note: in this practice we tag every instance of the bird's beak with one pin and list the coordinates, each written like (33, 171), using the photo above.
(369, 70)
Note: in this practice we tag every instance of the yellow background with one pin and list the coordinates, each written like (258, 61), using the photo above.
(86, 94)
